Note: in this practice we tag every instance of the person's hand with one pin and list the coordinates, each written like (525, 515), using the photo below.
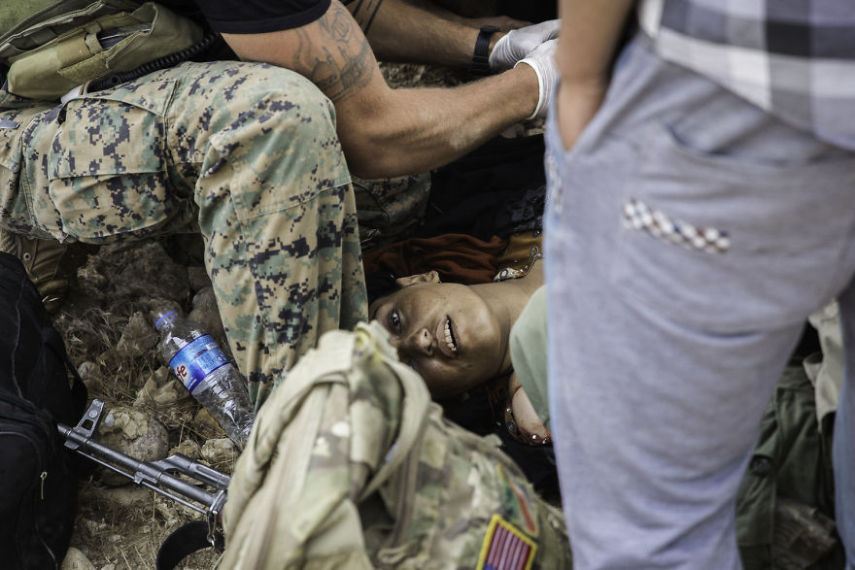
(578, 102)
(517, 44)
(542, 60)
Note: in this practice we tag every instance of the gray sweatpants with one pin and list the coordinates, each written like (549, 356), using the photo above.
(688, 237)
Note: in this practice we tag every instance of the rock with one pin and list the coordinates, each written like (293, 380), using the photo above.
(219, 451)
(134, 432)
(91, 277)
(76, 560)
(198, 278)
(138, 337)
(145, 395)
(87, 370)
(170, 393)
(207, 422)
(92, 527)
(116, 273)
(161, 396)
(206, 314)
(91, 375)
(189, 448)
(129, 496)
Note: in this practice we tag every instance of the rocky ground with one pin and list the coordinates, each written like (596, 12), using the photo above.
(107, 326)
(106, 323)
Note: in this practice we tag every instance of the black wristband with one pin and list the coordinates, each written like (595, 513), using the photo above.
(481, 57)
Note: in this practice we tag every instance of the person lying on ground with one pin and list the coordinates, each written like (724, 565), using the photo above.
(459, 337)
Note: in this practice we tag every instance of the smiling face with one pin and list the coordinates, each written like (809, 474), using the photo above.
(446, 332)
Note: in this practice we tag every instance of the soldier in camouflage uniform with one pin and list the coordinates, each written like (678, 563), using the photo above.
(258, 170)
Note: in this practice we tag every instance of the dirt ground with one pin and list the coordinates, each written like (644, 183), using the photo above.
(106, 323)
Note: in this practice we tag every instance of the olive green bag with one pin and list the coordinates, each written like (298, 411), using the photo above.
(350, 465)
(53, 47)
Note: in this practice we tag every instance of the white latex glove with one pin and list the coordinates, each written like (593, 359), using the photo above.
(518, 43)
(542, 60)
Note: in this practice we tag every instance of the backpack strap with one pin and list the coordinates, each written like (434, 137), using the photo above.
(183, 541)
(413, 420)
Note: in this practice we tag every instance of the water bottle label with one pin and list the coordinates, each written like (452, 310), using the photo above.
(196, 360)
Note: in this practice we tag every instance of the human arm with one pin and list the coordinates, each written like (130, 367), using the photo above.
(420, 32)
(386, 132)
(525, 416)
(469, 16)
(590, 30)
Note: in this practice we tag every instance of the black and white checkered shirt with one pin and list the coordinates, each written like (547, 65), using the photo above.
(794, 58)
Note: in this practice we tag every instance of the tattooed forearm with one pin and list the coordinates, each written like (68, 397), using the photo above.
(364, 11)
(341, 60)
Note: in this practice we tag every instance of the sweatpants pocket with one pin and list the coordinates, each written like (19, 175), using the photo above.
(733, 243)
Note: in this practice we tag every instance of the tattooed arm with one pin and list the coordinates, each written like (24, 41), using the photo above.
(420, 32)
(386, 132)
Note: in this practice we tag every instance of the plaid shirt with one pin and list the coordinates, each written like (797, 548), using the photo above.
(796, 59)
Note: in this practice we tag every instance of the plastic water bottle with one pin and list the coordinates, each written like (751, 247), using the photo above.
(211, 378)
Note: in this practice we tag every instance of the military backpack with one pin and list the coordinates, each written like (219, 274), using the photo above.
(350, 465)
(50, 47)
(38, 387)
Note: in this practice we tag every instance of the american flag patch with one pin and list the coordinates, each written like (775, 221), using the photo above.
(505, 548)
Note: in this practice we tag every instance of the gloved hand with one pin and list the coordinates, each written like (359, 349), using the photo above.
(517, 44)
(542, 60)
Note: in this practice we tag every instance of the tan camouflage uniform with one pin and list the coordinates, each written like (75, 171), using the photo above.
(245, 153)
(351, 466)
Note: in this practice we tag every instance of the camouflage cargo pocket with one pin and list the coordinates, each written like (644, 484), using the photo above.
(107, 173)
(14, 211)
(389, 208)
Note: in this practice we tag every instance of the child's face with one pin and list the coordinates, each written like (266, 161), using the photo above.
(446, 332)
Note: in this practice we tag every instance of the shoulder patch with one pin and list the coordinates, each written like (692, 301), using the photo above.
(505, 548)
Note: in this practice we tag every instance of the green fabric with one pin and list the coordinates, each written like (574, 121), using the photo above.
(793, 460)
(13, 12)
(528, 353)
(28, 24)
(76, 57)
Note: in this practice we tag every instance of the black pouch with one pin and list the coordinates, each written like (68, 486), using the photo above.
(38, 387)
(38, 495)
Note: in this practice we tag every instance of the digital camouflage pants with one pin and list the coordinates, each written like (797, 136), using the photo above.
(245, 153)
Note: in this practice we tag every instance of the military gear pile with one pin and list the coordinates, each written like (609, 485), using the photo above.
(350, 465)
(53, 47)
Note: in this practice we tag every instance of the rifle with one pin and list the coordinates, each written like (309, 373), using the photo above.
(207, 495)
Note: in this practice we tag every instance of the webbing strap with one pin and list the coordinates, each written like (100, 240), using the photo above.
(183, 541)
